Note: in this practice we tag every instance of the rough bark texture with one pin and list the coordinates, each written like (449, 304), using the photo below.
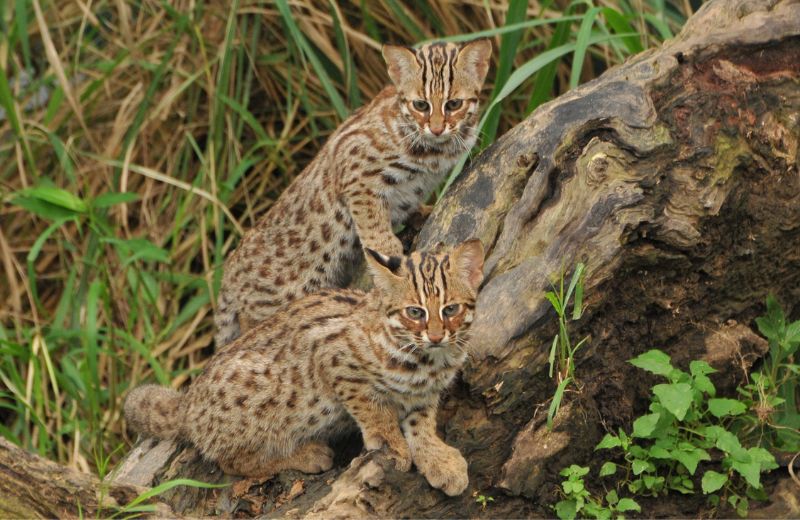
(675, 179)
(32, 487)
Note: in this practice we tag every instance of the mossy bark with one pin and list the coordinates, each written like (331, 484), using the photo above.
(674, 178)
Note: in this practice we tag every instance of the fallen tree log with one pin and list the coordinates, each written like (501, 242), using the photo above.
(675, 179)
(33, 487)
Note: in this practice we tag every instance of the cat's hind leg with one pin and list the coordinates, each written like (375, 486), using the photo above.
(311, 457)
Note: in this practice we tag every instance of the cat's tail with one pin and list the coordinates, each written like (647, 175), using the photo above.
(226, 321)
(154, 411)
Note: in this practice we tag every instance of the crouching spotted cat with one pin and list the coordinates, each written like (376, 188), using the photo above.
(272, 398)
(375, 171)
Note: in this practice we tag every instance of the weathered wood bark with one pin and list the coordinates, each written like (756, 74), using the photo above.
(32, 487)
(675, 179)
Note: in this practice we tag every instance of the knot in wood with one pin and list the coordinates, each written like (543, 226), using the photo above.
(527, 160)
(597, 168)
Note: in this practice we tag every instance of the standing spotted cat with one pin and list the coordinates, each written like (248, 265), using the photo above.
(272, 398)
(378, 168)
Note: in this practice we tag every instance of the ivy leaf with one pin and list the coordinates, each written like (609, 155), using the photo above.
(729, 443)
(765, 459)
(690, 458)
(654, 361)
(572, 486)
(612, 497)
(704, 384)
(645, 425)
(567, 509)
(574, 471)
(772, 325)
(608, 442)
(725, 407)
(609, 468)
(698, 368)
(628, 504)
(713, 481)
(751, 471)
(657, 452)
(639, 466)
(676, 397)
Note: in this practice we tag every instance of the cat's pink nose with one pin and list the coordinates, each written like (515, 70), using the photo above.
(437, 131)
(435, 337)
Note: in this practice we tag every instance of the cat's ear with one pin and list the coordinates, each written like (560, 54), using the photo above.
(473, 59)
(401, 63)
(468, 260)
(384, 269)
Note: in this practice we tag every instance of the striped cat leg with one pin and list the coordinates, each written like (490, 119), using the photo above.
(379, 426)
(443, 466)
(373, 222)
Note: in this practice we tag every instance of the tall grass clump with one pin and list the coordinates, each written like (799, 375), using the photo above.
(139, 139)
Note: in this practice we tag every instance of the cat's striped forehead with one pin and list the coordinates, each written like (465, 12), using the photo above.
(437, 61)
(430, 275)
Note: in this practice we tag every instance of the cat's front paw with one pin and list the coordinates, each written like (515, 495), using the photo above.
(401, 457)
(396, 449)
(446, 470)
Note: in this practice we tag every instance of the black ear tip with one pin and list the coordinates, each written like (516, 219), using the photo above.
(391, 263)
(394, 263)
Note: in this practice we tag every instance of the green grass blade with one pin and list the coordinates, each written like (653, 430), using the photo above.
(406, 21)
(581, 44)
(308, 52)
(21, 30)
(660, 25)
(508, 50)
(543, 84)
(248, 118)
(350, 76)
(577, 277)
(163, 488)
(223, 81)
(91, 334)
(506, 29)
(620, 25)
(9, 105)
(33, 254)
(551, 359)
(555, 404)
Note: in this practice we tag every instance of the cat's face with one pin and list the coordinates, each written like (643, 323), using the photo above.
(438, 86)
(429, 299)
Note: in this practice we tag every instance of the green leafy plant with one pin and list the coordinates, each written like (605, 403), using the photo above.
(578, 501)
(483, 500)
(562, 351)
(771, 394)
(685, 426)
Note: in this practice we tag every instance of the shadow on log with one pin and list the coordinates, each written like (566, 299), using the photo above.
(674, 178)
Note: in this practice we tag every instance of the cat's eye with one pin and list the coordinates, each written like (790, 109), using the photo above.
(415, 313)
(421, 105)
(453, 104)
(451, 310)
